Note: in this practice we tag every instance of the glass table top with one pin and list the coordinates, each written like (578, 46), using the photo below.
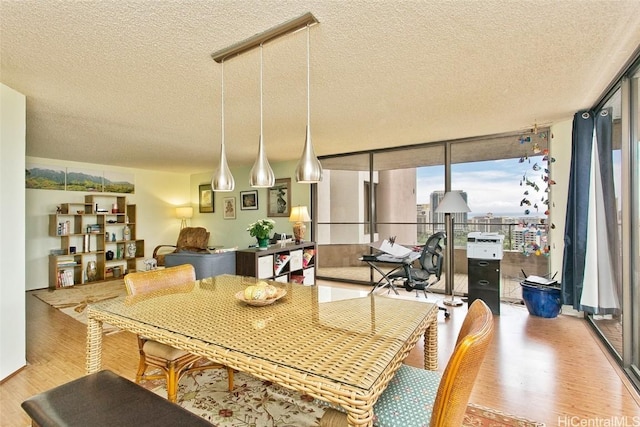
(346, 336)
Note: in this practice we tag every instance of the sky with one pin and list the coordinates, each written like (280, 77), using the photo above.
(491, 186)
(494, 186)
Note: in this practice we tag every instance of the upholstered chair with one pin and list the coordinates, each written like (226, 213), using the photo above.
(173, 363)
(190, 239)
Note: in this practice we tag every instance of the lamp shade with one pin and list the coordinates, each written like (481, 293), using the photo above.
(222, 178)
(452, 202)
(309, 169)
(184, 212)
(299, 214)
(261, 175)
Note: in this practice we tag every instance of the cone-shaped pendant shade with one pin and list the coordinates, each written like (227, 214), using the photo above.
(222, 178)
(261, 173)
(309, 169)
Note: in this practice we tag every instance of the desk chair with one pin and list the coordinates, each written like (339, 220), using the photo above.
(430, 262)
(173, 363)
(419, 397)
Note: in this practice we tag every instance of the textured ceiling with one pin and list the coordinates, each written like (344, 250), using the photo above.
(132, 83)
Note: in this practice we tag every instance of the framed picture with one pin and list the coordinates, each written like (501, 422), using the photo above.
(249, 200)
(205, 198)
(279, 198)
(229, 204)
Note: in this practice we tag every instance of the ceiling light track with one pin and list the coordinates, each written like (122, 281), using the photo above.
(309, 169)
(264, 37)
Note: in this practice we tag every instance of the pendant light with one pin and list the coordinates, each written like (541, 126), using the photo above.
(261, 173)
(222, 178)
(309, 169)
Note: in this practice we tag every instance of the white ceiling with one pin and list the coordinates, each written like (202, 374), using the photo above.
(132, 83)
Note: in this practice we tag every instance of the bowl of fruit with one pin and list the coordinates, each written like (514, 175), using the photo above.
(261, 294)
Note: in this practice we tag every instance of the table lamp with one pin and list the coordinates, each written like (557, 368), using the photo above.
(299, 215)
(451, 203)
(184, 213)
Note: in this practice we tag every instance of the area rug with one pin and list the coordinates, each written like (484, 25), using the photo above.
(73, 300)
(257, 403)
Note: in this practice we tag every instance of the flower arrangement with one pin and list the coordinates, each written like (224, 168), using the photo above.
(261, 229)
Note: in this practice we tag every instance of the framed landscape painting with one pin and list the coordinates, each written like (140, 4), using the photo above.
(118, 182)
(45, 177)
(89, 180)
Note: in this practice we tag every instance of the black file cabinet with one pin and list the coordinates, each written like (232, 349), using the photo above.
(484, 282)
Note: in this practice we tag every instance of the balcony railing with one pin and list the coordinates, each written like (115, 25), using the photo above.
(340, 259)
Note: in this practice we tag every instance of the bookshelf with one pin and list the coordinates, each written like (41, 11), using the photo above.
(102, 230)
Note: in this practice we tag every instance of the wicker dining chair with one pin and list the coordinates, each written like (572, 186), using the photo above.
(173, 363)
(417, 396)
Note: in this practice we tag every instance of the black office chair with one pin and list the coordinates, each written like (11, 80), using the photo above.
(430, 265)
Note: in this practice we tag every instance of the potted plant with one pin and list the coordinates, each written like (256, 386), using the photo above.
(261, 230)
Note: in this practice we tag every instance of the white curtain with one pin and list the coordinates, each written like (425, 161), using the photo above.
(599, 294)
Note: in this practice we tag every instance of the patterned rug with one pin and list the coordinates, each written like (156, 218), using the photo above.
(254, 402)
(73, 300)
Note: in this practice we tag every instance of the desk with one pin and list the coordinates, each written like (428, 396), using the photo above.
(384, 258)
(342, 352)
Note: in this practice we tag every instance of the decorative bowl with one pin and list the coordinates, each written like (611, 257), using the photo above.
(261, 302)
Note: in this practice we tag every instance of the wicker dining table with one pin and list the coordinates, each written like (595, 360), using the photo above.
(342, 352)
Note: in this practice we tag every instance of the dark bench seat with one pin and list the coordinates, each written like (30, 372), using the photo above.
(105, 399)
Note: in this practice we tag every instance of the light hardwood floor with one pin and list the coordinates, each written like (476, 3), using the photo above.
(552, 371)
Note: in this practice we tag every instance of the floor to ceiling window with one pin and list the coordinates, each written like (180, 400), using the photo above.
(620, 331)
(506, 183)
(632, 330)
(367, 197)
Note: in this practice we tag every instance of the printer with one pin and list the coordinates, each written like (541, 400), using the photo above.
(484, 245)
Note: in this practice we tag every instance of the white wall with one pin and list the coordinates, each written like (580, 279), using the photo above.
(233, 232)
(156, 196)
(12, 231)
(559, 149)
(396, 191)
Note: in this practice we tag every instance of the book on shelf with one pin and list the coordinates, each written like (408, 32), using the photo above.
(64, 228)
(307, 256)
(66, 262)
(65, 278)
